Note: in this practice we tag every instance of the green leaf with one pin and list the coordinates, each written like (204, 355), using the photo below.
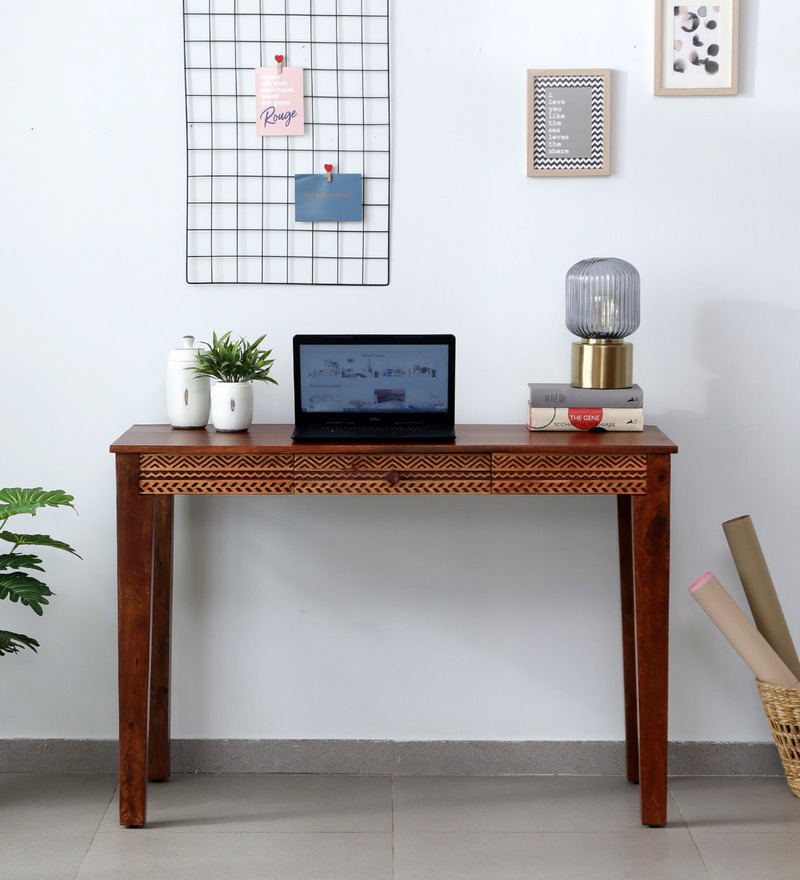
(17, 585)
(36, 540)
(20, 587)
(231, 360)
(20, 560)
(14, 501)
(12, 643)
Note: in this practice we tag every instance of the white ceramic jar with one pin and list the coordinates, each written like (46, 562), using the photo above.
(232, 405)
(188, 395)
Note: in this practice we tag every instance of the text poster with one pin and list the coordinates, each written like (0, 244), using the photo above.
(318, 199)
(568, 122)
(279, 101)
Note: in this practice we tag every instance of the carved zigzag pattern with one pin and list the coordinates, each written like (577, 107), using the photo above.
(556, 462)
(383, 462)
(222, 462)
(583, 484)
(569, 475)
(414, 474)
(540, 158)
(409, 484)
(217, 485)
(392, 474)
(177, 474)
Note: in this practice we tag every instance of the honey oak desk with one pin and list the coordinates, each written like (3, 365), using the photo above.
(155, 462)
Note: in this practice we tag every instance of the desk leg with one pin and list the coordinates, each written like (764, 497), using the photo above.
(158, 752)
(135, 517)
(625, 529)
(651, 522)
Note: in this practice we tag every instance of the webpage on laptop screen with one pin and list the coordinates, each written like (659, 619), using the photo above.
(358, 378)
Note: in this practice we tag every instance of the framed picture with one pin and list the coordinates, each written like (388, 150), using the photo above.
(568, 122)
(697, 48)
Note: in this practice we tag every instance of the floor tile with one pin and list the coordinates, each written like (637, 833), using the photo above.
(728, 803)
(438, 828)
(143, 853)
(658, 854)
(39, 855)
(265, 802)
(518, 803)
(744, 855)
(62, 804)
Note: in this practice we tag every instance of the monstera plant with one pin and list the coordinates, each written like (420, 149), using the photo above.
(16, 563)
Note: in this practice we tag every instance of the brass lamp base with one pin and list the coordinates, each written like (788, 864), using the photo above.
(602, 363)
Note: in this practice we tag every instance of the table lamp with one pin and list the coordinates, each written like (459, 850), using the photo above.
(602, 309)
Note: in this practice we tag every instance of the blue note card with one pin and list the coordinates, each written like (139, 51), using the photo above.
(316, 199)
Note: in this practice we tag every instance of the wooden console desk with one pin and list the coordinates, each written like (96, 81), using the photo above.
(155, 462)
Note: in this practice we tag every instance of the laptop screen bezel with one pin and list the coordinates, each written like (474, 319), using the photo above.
(393, 417)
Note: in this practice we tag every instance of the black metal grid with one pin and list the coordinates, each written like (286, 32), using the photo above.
(240, 225)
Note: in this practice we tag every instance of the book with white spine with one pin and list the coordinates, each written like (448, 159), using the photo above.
(582, 418)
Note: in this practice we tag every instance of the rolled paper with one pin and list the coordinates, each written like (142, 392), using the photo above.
(738, 629)
(760, 590)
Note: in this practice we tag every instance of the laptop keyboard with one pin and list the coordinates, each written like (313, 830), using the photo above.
(383, 430)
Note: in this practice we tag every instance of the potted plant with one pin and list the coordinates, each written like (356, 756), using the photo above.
(15, 582)
(235, 364)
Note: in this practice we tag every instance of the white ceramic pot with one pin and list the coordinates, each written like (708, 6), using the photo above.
(232, 405)
(188, 400)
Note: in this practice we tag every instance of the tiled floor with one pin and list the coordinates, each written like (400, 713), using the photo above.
(286, 827)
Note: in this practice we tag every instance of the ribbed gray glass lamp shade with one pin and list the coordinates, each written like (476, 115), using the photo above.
(602, 309)
(602, 298)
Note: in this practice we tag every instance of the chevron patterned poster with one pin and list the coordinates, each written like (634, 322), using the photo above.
(568, 122)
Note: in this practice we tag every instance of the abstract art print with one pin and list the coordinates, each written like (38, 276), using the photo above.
(697, 48)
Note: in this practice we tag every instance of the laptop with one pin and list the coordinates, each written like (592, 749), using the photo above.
(374, 387)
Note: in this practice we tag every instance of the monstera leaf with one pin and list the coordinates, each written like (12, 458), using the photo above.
(11, 643)
(20, 587)
(16, 584)
(13, 501)
(20, 560)
(36, 540)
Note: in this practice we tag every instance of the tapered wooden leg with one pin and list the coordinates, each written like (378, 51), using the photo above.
(625, 528)
(158, 752)
(134, 580)
(651, 525)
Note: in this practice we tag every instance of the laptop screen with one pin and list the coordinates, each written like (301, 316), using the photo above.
(384, 378)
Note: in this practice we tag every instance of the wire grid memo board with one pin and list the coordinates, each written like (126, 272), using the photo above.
(240, 225)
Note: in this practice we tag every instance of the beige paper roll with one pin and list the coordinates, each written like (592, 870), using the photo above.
(760, 590)
(745, 639)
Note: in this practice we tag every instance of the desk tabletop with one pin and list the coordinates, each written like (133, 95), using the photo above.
(271, 439)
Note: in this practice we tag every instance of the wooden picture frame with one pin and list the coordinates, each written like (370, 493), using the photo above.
(569, 123)
(697, 48)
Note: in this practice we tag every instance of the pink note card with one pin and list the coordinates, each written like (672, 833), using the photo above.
(279, 100)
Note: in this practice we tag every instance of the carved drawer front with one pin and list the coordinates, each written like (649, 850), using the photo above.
(391, 474)
(179, 474)
(545, 474)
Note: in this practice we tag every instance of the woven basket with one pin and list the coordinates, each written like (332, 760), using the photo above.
(782, 708)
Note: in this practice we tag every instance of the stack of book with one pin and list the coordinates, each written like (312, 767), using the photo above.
(555, 407)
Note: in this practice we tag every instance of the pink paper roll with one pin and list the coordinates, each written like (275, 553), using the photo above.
(744, 638)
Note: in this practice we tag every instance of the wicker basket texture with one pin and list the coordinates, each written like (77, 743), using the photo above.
(782, 708)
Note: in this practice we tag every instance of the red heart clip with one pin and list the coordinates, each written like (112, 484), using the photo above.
(329, 167)
(279, 58)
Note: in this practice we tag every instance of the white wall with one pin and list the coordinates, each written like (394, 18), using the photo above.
(424, 617)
